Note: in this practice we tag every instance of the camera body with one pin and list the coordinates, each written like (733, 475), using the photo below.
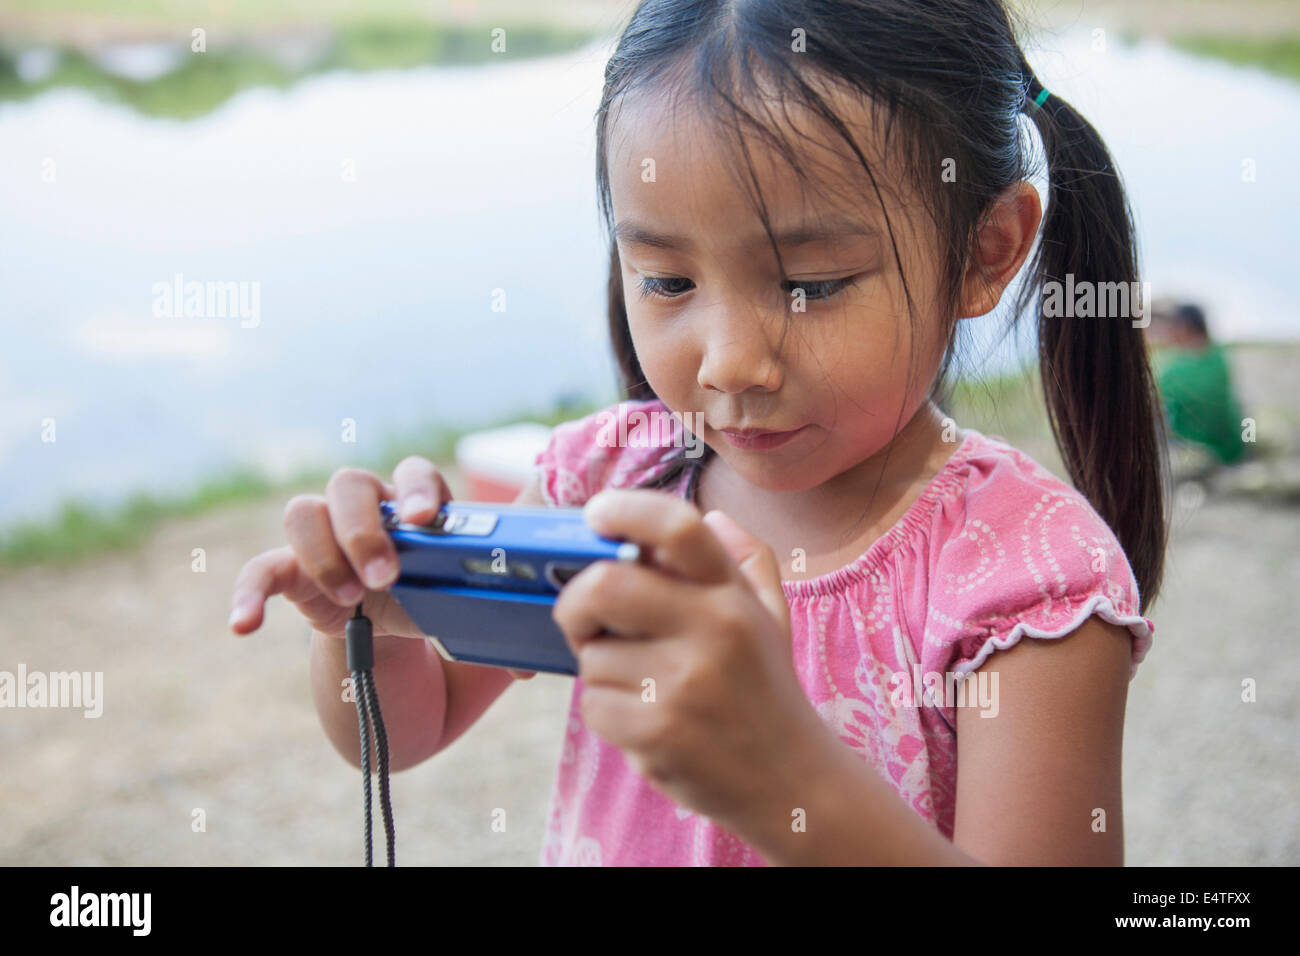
(480, 580)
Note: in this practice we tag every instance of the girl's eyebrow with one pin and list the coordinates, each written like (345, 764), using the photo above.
(828, 228)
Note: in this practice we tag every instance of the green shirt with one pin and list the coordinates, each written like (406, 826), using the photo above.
(1196, 386)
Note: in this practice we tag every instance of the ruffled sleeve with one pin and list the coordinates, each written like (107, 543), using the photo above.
(1023, 553)
(620, 446)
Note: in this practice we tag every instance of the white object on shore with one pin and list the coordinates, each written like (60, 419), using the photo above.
(498, 462)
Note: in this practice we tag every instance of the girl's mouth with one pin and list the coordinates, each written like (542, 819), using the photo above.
(758, 440)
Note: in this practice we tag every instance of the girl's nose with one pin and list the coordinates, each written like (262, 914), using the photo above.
(738, 357)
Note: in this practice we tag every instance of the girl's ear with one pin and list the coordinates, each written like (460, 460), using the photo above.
(1003, 242)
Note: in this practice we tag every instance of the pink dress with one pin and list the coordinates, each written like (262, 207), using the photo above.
(994, 548)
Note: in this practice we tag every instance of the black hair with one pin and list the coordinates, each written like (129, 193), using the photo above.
(1191, 317)
(953, 79)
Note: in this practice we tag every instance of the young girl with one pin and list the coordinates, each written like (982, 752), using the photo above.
(803, 201)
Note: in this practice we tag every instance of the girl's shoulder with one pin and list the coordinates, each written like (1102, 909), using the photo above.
(1016, 551)
(996, 480)
(623, 445)
(1004, 487)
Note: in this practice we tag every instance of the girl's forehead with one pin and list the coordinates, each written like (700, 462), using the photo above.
(661, 137)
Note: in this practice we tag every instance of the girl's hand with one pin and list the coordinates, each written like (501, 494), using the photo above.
(339, 554)
(686, 660)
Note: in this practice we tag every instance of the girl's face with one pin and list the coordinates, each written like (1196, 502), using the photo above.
(707, 305)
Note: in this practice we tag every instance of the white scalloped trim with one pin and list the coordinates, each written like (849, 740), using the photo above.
(1097, 604)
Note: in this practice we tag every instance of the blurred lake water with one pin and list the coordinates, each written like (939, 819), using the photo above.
(421, 244)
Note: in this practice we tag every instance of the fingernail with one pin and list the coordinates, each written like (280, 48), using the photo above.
(596, 504)
(242, 610)
(378, 572)
(351, 592)
(416, 502)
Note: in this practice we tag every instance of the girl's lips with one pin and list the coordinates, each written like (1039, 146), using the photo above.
(761, 441)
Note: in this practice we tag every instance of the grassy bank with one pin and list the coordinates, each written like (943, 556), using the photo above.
(1261, 33)
(1278, 54)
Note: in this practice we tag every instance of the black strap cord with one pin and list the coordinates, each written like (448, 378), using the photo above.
(361, 660)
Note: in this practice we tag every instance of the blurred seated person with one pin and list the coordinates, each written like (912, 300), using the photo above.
(1195, 383)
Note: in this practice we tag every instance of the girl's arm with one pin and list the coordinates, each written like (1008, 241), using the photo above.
(1039, 784)
(1030, 782)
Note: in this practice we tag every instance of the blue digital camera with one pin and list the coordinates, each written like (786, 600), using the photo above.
(481, 579)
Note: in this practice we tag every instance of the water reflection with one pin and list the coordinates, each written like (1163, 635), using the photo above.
(425, 245)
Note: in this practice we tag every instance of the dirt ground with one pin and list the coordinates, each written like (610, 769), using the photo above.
(197, 719)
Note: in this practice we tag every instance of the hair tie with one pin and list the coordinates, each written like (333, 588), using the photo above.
(1040, 99)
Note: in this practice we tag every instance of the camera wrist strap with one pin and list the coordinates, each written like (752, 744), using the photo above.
(361, 661)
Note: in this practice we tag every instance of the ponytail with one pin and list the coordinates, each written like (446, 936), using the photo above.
(1102, 402)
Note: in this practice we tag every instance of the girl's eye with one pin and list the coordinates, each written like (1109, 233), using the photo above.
(823, 289)
(664, 288)
(657, 286)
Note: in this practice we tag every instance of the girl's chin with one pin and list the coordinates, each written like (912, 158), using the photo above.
(770, 473)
